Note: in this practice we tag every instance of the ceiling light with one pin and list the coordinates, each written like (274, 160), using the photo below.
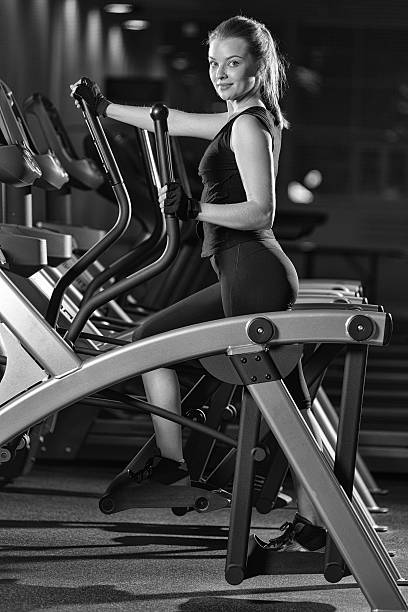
(118, 7)
(190, 29)
(135, 24)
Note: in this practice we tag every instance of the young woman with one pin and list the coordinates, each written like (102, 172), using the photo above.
(237, 209)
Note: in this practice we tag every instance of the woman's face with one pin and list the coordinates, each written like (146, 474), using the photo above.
(233, 70)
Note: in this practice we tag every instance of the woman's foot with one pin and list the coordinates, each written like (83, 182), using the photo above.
(162, 470)
(300, 535)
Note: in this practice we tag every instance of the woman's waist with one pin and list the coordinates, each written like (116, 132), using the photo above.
(220, 171)
(240, 234)
(218, 238)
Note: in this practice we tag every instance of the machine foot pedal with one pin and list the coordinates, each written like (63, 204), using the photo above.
(378, 491)
(380, 528)
(377, 509)
(179, 498)
(261, 561)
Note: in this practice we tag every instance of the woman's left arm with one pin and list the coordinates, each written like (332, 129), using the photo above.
(253, 149)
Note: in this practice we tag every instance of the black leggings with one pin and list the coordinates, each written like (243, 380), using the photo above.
(255, 276)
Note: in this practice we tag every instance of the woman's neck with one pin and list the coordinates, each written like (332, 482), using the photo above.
(237, 106)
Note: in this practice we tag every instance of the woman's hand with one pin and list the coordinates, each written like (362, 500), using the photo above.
(89, 91)
(174, 201)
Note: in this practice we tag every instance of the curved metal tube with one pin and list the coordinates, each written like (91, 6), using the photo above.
(114, 233)
(142, 253)
(159, 113)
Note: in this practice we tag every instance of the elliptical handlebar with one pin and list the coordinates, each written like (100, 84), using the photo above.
(141, 253)
(123, 219)
(101, 143)
(159, 114)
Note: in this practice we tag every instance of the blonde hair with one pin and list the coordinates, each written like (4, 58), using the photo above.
(264, 50)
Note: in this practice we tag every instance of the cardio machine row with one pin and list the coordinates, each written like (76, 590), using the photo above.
(40, 130)
(48, 385)
(39, 287)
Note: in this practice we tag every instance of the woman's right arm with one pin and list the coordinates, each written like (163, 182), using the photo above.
(180, 123)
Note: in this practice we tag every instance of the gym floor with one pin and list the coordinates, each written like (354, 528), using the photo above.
(59, 553)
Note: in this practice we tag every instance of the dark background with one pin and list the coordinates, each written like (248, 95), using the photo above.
(347, 102)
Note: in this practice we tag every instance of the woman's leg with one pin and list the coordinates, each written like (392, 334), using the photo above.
(162, 386)
(259, 277)
(162, 389)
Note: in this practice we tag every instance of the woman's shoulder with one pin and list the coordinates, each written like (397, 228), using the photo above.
(255, 117)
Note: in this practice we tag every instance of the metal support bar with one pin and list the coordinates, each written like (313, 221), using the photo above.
(362, 468)
(331, 440)
(347, 441)
(358, 545)
(362, 512)
(241, 505)
(328, 420)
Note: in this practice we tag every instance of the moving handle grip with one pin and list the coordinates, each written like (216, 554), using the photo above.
(101, 143)
(159, 114)
(123, 218)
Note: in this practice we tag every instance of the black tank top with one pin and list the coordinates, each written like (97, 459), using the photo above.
(222, 184)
